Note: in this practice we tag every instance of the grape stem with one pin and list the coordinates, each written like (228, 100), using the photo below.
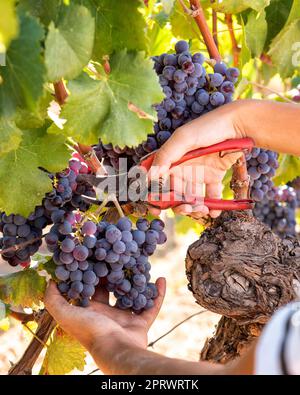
(89, 155)
(23, 317)
(61, 93)
(199, 17)
(240, 182)
(17, 247)
(235, 48)
(215, 25)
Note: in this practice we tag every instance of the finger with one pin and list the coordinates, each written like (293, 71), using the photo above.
(154, 211)
(151, 314)
(173, 149)
(214, 191)
(199, 211)
(183, 209)
(55, 303)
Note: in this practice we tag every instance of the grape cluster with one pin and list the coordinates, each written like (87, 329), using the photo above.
(296, 97)
(66, 194)
(296, 185)
(86, 252)
(18, 230)
(189, 93)
(280, 213)
(261, 166)
(68, 189)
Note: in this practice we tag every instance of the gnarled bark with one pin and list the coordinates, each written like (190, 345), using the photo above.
(240, 269)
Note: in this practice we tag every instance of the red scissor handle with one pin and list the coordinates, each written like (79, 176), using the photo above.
(227, 145)
(163, 201)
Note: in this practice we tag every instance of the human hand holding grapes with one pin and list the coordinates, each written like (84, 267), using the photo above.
(102, 328)
(198, 133)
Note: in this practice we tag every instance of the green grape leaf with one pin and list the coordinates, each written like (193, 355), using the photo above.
(245, 54)
(69, 45)
(167, 5)
(46, 263)
(9, 26)
(63, 355)
(119, 25)
(10, 136)
(285, 49)
(276, 16)
(47, 11)
(236, 6)
(105, 108)
(25, 288)
(23, 76)
(288, 170)
(183, 25)
(256, 32)
(19, 173)
(26, 119)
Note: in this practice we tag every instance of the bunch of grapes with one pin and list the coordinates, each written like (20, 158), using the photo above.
(190, 91)
(280, 213)
(296, 185)
(262, 165)
(86, 252)
(18, 230)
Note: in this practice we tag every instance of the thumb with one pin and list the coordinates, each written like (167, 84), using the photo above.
(171, 151)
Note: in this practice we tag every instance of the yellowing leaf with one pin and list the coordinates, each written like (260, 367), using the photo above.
(25, 288)
(236, 6)
(4, 324)
(9, 26)
(63, 355)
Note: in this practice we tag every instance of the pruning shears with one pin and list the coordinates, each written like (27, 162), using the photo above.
(166, 200)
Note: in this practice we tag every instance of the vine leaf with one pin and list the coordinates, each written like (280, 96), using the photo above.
(69, 45)
(256, 32)
(100, 108)
(236, 6)
(26, 119)
(119, 25)
(183, 25)
(276, 15)
(23, 76)
(63, 355)
(284, 49)
(19, 173)
(10, 136)
(45, 11)
(289, 169)
(25, 288)
(8, 23)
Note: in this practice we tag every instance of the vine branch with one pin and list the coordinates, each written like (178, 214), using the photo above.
(46, 324)
(235, 48)
(199, 17)
(215, 25)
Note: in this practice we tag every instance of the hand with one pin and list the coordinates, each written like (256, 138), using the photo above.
(100, 324)
(209, 129)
